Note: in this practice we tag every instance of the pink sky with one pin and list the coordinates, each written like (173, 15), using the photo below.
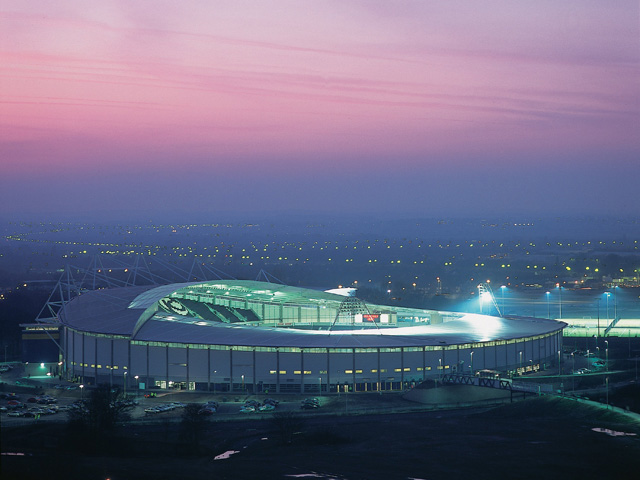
(272, 93)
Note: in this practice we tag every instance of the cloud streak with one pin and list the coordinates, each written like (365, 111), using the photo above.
(271, 90)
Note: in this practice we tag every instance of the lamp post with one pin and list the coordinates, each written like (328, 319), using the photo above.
(573, 371)
(320, 385)
(137, 384)
(608, 294)
(242, 383)
(606, 364)
(472, 362)
(615, 302)
(81, 393)
(125, 383)
(560, 296)
(520, 363)
(598, 334)
(548, 306)
(559, 363)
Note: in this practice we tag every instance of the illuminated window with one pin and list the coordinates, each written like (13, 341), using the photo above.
(297, 372)
(348, 371)
(374, 370)
(283, 372)
(307, 372)
(272, 372)
(358, 371)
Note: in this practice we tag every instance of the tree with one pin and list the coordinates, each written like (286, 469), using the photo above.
(97, 418)
(193, 425)
(287, 424)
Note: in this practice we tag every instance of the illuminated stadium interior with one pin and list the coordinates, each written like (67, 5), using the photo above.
(259, 337)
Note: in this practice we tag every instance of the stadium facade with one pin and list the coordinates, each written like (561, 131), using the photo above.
(259, 337)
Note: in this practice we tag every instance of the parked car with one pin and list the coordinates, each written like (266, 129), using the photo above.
(206, 411)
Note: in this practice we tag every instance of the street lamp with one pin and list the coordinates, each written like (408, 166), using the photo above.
(548, 306)
(586, 340)
(125, 383)
(560, 297)
(608, 294)
(472, 362)
(320, 385)
(559, 363)
(137, 383)
(606, 343)
(520, 359)
(242, 383)
(598, 335)
(81, 393)
(573, 371)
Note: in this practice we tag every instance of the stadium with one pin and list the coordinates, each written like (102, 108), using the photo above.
(260, 337)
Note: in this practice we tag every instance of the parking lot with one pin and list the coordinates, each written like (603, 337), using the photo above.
(19, 405)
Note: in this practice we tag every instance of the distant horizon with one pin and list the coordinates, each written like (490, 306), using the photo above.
(203, 218)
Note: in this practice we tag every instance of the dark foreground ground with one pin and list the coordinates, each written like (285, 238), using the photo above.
(537, 438)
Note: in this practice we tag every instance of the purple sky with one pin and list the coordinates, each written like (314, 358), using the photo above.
(422, 108)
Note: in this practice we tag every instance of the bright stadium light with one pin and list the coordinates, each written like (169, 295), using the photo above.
(485, 296)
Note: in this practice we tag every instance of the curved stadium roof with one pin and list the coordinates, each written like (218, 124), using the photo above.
(136, 312)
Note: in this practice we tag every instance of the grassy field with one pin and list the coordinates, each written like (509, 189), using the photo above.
(538, 438)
